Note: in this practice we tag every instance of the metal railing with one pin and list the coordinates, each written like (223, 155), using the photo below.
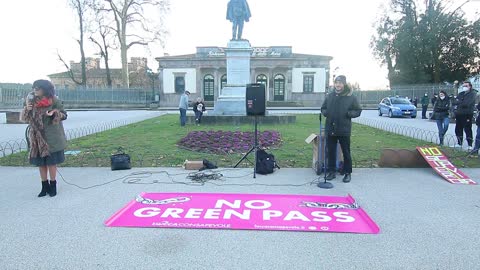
(13, 97)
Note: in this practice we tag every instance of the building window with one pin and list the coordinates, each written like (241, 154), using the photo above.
(223, 81)
(279, 87)
(208, 88)
(180, 83)
(262, 79)
(308, 80)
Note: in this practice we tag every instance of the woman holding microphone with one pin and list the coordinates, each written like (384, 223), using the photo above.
(44, 113)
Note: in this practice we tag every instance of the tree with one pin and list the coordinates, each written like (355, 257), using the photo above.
(129, 16)
(101, 36)
(453, 42)
(81, 8)
(431, 47)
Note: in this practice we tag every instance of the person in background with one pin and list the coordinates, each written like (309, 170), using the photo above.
(441, 110)
(183, 107)
(415, 101)
(198, 109)
(424, 106)
(476, 146)
(339, 107)
(44, 114)
(434, 98)
(465, 103)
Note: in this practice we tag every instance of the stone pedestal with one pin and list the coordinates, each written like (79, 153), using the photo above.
(231, 100)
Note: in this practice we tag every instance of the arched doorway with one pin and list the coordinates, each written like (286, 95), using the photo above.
(208, 88)
(279, 87)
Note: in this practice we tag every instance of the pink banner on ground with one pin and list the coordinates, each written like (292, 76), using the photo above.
(245, 212)
(440, 163)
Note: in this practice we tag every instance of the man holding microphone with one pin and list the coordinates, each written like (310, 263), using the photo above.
(339, 107)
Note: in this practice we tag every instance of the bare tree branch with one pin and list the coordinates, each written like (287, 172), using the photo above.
(69, 70)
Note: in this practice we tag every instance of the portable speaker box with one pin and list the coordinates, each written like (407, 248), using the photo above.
(255, 99)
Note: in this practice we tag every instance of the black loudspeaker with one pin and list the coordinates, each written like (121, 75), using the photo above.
(255, 99)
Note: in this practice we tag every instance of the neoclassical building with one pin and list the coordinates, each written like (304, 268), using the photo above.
(290, 78)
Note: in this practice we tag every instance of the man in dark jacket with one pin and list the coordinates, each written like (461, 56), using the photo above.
(476, 146)
(424, 106)
(465, 103)
(339, 108)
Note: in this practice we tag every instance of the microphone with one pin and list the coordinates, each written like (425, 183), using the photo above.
(30, 98)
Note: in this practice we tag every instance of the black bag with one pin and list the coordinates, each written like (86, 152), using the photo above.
(266, 163)
(120, 161)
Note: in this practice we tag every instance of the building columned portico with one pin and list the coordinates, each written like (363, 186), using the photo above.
(290, 78)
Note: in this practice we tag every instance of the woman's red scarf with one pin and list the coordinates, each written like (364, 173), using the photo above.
(44, 102)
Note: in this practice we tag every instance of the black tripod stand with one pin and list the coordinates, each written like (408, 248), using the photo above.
(322, 140)
(254, 148)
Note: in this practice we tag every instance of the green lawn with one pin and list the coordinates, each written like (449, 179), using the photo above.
(152, 143)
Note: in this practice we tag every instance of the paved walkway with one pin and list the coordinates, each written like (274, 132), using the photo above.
(426, 223)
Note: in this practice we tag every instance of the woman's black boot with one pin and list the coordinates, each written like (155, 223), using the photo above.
(53, 188)
(45, 189)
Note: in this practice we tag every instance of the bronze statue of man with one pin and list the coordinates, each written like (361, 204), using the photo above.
(238, 12)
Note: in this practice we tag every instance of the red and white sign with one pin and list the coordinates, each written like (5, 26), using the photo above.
(440, 163)
(245, 212)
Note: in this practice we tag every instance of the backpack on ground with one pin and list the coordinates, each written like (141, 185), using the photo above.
(266, 162)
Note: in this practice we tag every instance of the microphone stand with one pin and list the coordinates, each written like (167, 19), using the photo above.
(323, 147)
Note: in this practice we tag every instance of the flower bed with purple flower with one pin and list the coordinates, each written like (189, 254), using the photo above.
(221, 142)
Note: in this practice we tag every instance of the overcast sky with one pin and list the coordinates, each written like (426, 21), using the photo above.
(32, 31)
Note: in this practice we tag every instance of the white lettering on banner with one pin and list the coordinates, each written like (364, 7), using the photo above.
(321, 216)
(212, 214)
(147, 212)
(236, 204)
(173, 212)
(295, 215)
(449, 173)
(197, 213)
(267, 214)
(229, 212)
(438, 161)
(343, 217)
(248, 204)
(193, 213)
(193, 225)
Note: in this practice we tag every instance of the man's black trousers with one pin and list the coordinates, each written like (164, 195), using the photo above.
(463, 122)
(332, 153)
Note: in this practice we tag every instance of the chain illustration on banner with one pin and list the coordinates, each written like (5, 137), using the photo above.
(330, 205)
(142, 200)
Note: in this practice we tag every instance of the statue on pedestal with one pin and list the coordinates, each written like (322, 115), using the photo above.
(238, 12)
